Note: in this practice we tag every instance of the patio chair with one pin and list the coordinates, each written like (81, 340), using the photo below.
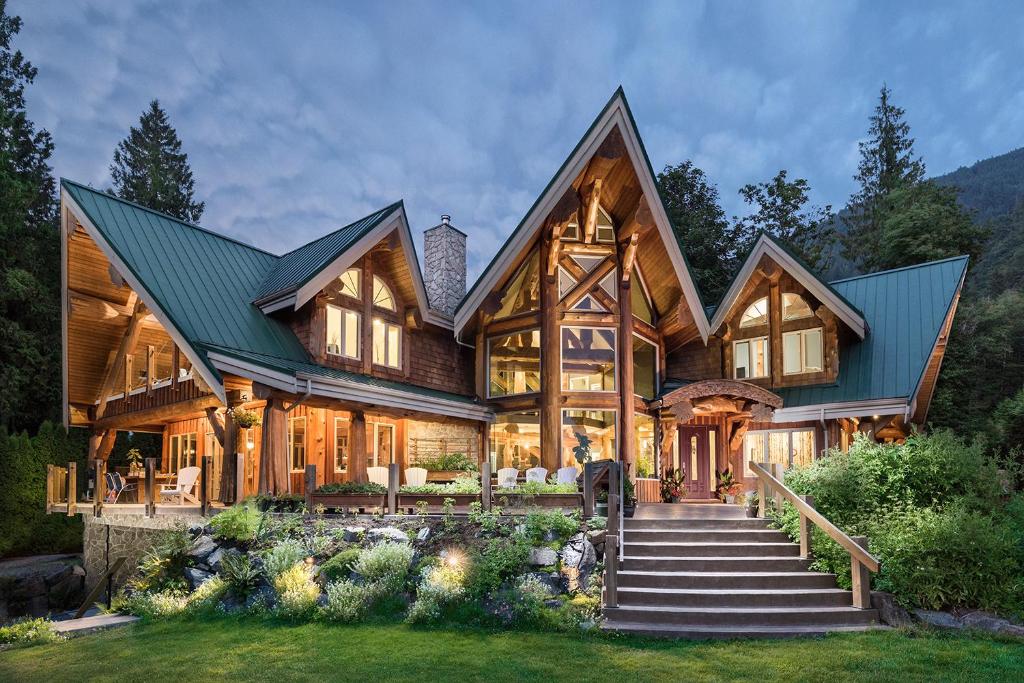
(415, 476)
(116, 486)
(183, 486)
(567, 475)
(377, 475)
(507, 477)
(538, 474)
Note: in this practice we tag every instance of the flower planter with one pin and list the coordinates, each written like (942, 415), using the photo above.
(435, 501)
(601, 509)
(543, 500)
(360, 501)
(449, 475)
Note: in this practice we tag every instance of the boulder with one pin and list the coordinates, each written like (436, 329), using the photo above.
(984, 621)
(387, 533)
(423, 534)
(543, 557)
(58, 573)
(579, 553)
(196, 577)
(195, 529)
(202, 547)
(353, 534)
(938, 619)
(889, 611)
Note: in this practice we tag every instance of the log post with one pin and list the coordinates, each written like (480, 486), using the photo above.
(393, 481)
(805, 530)
(309, 485)
(149, 487)
(551, 384)
(627, 433)
(588, 490)
(357, 447)
(101, 487)
(205, 471)
(485, 485)
(613, 485)
(72, 488)
(239, 476)
(229, 491)
(274, 471)
(860, 577)
(611, 579)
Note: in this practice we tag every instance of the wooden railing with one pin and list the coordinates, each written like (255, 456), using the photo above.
(62, 487)
(861, 561)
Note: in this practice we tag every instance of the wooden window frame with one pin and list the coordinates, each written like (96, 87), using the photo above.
(348, 436)
(563, 386)
(385, 323)
(767, 444)
(767, 357)
(540, 363)
(391, 294)
(376, 443)
(291, 443)
(616, 424)
(767, 313)
(657, 365)
(804, 370)
(341, 345)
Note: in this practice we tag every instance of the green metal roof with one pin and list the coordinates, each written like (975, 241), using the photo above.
(298, 267)
(905, 309)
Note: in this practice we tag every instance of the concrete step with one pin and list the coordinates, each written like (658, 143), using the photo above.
(726, 632)
(673, 549)
(712, 598)
(741, 616)
(705, 536)
(740, 580)
(692, 524)
(715, 563)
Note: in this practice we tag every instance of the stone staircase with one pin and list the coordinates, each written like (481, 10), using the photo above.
(707, 571)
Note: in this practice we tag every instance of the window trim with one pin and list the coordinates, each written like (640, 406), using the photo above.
(767, 357)
(401, 342)
(348, 434)
(174, 455)
(391, 293)
(359, 284)
(764, 451)
(359, 336)
(540, 362)
(803, 364)
(291, 437)
(561, 361)
(767, 313)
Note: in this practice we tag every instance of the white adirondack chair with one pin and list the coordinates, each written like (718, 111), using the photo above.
(377, 475)
(183, 486)
(567, 475)
(507, 477)
(538, 474)
(415, 476)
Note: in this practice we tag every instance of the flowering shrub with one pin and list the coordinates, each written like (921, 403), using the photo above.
(347, 602)
(283, 556)
(296, 592)
(385, 564)
(205, 598)
(155, 605)
(440, 587)
(29, 632)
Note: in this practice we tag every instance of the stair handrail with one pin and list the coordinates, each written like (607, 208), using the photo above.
(835, 533)
(612, 550)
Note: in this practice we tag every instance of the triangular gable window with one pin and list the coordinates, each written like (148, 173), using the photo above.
(523, 293)
(589, 303)
(608, 283)
(587, 263)
(565, 282)
(641, 306)
(605, 229)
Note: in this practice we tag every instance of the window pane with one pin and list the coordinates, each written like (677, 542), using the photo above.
(352, 334)
(741, 359)
(394, 346)
(610, 284)
(349, 283)
(514, 363)
(778, 448)
(334, 329)
(340, 444)
(794, 307)
(593, 429)
(297, 442)
(385, 445)
(694, 450)
(813, 350)
(588, 303)
(791, 353)
(587, 263)
(588, 359)
(524, 291)
(565, 282)
(759, 348)
(644, 445)
(756, 314)
(645, 367)
(641, 309)
(382, 297)
(379, 342)
(515, 441)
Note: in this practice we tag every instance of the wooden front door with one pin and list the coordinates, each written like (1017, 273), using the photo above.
(695, 460)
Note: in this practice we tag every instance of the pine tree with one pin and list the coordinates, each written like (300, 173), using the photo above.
(30, 257)
(700, 226)
(781, 214)
(887, 163)
(149, 168)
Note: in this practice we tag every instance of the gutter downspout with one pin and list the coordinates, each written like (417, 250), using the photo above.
(309, 392)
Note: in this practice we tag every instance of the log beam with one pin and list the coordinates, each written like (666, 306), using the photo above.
(116, 365)
(550, 410)
(593, 204)
(156, 414)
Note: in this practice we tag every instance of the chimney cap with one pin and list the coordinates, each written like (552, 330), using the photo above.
(446, 219)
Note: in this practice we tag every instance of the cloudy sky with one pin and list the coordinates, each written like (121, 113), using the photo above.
(301, 117)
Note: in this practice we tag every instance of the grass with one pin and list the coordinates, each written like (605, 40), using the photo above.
(229, 649)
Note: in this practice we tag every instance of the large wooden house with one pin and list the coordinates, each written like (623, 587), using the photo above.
(585, 329)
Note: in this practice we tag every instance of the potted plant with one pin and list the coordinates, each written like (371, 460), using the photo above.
(134, 461)
(601, 504)
(246, 419)
(672, 487)
(728, 488)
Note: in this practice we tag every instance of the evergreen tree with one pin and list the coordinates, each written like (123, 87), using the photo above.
(887, 162)
(700, 226)
(149, 168)
(30, 257)
(781, 213)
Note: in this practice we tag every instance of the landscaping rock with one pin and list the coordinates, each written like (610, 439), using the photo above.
(353, 534)
(938, 619)
(596, 536)
(553, 582)
(58, 574)
(196, 577)
(985, 621)
(195, 529)
(202, 547)
(214, 558)
(387, 533)
(423, 534)
(229, 603)
(889, 611)
(579, 553)
(542, 557)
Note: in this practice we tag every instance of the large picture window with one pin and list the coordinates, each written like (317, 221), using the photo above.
(588, 359)
(514, 363)
(515, 441)
(788, 447)
(645, 367)
(342, 332)
(802, 351)
(594, 429)
(182, 452)
(384, 444)
(387, 344)
(341, 444)
(750, 358)
(297, 443)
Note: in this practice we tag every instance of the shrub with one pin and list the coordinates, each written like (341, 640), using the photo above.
(460, 485)
(28, 632)
(352, 487)
(316, 544)
(501, 560)
(385, 564)
(285, 502)
(296, 592)
(533, 488)
(347, 602)
(239, 523)
(239, 573)
(441, 587)
(451, 462)
(539, 522)
(488, 521)
(156, 605)
(284, 555)
(206, 597)
(339, 566)
(162, 565)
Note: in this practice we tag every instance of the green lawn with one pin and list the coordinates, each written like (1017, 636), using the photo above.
(256, 651)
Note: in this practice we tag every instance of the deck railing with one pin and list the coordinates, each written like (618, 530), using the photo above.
(861, 561)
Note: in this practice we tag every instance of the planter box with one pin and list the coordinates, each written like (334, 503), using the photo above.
(360, 501)
(435, 501)
(449, 475)
(542, 500)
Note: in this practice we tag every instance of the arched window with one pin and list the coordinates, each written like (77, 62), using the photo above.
(795, 307)
(756, 314)
(382, 297)
(349, 282)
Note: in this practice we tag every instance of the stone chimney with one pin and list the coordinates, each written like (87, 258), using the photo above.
(444, 261)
